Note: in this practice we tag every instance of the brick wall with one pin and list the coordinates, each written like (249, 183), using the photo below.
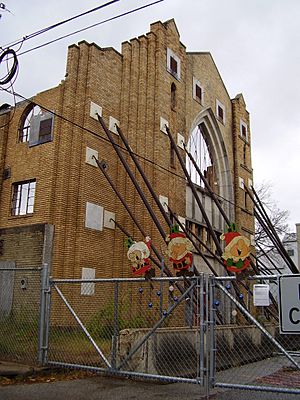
(135, 88)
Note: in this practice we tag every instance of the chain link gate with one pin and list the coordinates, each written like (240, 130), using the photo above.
(192, 330)
(160, 329)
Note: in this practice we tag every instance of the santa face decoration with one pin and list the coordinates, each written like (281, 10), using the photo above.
(179, 251)
(138, 254)
(237, 251)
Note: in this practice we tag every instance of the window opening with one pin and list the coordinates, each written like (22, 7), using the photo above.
(244, 130)
(198, 92)
(36, 126)
(199, 149)
(24, 130)
(23, 197)
(220, 110)
(173, 64)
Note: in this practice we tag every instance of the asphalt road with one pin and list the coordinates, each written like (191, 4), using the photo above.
(98, 388)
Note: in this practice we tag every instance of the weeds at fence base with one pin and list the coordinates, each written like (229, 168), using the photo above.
(47, 376)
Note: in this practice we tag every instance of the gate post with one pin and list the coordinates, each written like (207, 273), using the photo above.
(116, 326)
(212, 333)
(43, 320)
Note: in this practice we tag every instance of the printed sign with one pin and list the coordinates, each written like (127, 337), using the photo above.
(289, 304)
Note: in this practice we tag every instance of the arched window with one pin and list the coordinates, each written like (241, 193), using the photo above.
(24, 129)
(199, 149)
(36, 126)
(173, 96)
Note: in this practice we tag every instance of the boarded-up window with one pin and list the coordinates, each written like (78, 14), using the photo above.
(88, 288)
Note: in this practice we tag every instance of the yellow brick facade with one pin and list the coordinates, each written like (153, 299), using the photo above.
(134, 87)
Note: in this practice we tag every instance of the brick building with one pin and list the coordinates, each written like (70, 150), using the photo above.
(51, 186)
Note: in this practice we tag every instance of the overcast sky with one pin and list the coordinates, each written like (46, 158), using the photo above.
(255, 44)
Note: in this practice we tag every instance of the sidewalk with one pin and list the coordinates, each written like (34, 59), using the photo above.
(109, 388)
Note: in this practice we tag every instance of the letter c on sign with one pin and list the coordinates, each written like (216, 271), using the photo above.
(294, 321)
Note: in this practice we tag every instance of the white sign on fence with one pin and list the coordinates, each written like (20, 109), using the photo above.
(289, 304)
(261, 295)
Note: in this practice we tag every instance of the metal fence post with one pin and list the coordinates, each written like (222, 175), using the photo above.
(207, 336)
(116, 326)
(201, 325)
(43, 314)
(212, 338)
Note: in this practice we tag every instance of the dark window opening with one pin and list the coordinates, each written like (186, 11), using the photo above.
(173, 65)
(244, 132)
(221, 113)
(198, 93)
(290, 252)
(45, 130)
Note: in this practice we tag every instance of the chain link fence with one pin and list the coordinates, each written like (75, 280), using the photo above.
(201, 330)
(250, 351)
(130, 326)
(20, 295)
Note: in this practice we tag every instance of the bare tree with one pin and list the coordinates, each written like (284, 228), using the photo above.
(278, 217)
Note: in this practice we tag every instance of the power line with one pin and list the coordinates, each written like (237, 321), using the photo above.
(34, 34)
(91, 26)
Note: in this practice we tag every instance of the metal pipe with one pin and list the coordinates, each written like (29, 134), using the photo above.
(146, 180)
(257, 388)
(212, 194)
(42, 317)
(212, 317)
(132, 177)
(116, 326)
(125, 373)
(156, 326)
(201, 326)
(271, 237)
(271, 230)
(191, 184)
(83, 327)
(193, 242)
(21, 269)
(164, 278)
(260, 327)
(139, 226)
(207, 337)
(207, 185)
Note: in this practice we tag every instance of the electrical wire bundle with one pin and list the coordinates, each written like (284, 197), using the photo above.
(11, 70)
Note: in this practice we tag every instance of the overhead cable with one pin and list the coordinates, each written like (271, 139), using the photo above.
(48, 28)
(91, 26)
(9, 53)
